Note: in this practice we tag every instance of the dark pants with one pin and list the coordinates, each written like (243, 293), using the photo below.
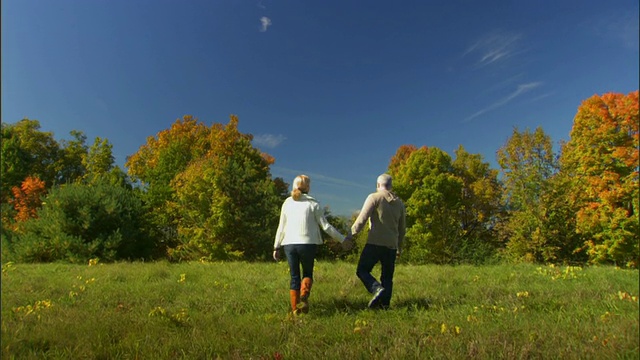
(370, 256)
(300, 255)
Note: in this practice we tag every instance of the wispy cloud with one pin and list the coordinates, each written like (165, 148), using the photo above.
(289, 174)
(266, 22)
(268, 140)
(493, 47)
(623, 28)
(540, 97)
(261, 5)
(522, 88)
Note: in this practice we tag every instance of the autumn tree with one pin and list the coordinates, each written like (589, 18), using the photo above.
(401, 156)
(28, 151)
(27, 198)
(209, 191)
(156, 164)
(33, 162)
(169, 152)
(601, 158)
(226, 202)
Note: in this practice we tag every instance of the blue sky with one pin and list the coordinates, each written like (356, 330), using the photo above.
(329, 88)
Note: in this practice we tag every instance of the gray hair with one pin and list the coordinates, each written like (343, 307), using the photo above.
(385, 181)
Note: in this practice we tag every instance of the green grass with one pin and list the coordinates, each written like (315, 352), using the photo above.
(239, 311)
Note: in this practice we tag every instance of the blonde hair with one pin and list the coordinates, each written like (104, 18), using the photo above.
(301, 186)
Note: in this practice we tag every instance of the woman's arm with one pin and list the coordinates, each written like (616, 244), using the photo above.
(326, 226)
(280, 232)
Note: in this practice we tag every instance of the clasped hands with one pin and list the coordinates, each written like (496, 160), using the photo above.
(347, 244)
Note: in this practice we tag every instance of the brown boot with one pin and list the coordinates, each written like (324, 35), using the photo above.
(305, 291)
(295, 299)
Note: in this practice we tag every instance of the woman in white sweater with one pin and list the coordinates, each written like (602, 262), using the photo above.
(299, 234)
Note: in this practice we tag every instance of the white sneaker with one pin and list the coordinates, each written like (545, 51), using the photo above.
(376, 297)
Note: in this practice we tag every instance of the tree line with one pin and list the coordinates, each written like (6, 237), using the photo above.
(198, 192)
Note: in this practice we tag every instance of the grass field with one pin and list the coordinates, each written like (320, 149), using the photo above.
(239, 311)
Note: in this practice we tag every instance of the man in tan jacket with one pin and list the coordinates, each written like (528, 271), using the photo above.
(385, 213)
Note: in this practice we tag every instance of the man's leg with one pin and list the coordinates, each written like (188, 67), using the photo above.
(388, 264)
(368, 259)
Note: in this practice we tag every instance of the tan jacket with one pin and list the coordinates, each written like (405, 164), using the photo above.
(386, 215)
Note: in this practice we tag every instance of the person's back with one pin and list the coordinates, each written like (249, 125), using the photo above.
(385, 213)
(301, 219)
(386, 220)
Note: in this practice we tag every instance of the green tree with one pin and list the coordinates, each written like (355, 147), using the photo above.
(98, 160)
(559, 216)
(432, 195)
(78, 222)
(27, 151)
(452, 206)
(70, 163)
(528, 163)
(601, 158)
(481, 205)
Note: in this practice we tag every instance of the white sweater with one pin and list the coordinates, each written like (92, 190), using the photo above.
(300, 223)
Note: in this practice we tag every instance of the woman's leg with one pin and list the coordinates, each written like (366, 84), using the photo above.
(293, 259)
(307, 259)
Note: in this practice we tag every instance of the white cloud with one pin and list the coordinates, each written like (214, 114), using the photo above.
(266, 22)
(522, 88)
(268, 140)
(493, 47)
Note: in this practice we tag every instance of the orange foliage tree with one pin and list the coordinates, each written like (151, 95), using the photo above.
(602, 158)
(27, 198)
(402, 155)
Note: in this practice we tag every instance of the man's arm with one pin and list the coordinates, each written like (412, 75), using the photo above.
(402, 229)
(368, 206)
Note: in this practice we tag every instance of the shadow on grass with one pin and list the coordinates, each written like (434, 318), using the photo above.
(414, 304)
(332, 307)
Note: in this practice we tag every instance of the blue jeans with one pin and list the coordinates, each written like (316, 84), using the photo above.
(300, 255)
(370, 256)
